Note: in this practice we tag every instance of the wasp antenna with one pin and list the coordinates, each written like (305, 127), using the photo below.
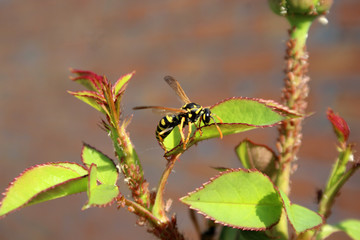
(219, 130)
(221, 121)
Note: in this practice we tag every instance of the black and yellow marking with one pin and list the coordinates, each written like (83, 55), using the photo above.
(166, 125)
(190, 113)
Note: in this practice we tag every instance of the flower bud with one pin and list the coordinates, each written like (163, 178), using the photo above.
(340, 126)
(300, 7)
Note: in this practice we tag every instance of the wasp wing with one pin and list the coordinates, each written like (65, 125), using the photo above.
(174, 84)
(162, 110)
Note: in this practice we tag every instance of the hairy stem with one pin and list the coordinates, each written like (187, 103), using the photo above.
(294, 97)
(131, 167)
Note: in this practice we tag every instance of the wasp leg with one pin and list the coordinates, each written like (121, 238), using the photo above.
(159, 135)
(221, 121)
(188, 136)
(198, 127)
(181, 126)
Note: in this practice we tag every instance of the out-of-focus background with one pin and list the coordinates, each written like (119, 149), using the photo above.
(216, 49)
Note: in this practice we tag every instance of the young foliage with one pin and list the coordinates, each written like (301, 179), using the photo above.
(339, 125)
(101, 95)
(242, 200)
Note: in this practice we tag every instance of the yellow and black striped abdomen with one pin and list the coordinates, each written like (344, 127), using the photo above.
(167, 124)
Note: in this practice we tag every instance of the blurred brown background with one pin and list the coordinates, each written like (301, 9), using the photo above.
(216, 49)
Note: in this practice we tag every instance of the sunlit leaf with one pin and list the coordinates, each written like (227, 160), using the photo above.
(121, 83)
(107, 172)
(99, 195)
(73, 166)
(90, 98)
(300, 218)
(239, 198)
(42, 183)
(326, 231)
(237, 115)
(351, 227)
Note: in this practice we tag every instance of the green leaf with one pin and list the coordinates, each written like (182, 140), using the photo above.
(228, 233)
(99, 195)
(300, 218)
(73, 166)
(121, 83)
(237, 115)
(72, 186)
(326, 231)
(90, 98)
(351, 227)
(107, 172)
(257, 156)
(239, 198)
(42, 183)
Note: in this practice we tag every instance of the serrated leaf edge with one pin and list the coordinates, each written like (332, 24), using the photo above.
(259, 100)
(65, 166)
(89, 146)
(52, 187)
(214, 178)
(89, 94)
(90, 76)
(121, 90)
(192, 142)
(268, 103)
(87, 205)
(287, 216)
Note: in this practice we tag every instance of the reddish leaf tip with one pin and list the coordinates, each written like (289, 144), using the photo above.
(340, 126)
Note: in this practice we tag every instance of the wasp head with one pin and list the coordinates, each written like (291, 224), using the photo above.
(206, 117)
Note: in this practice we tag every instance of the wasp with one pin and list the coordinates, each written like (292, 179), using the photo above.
(189, 113)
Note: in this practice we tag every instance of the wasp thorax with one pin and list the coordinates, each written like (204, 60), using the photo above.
(193, 111)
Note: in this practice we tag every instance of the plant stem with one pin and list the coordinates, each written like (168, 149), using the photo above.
(339, 167)
(135, 171)
(130, 165)
(337, 179)
(159, 206)
(140, 210)
(294, 97)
